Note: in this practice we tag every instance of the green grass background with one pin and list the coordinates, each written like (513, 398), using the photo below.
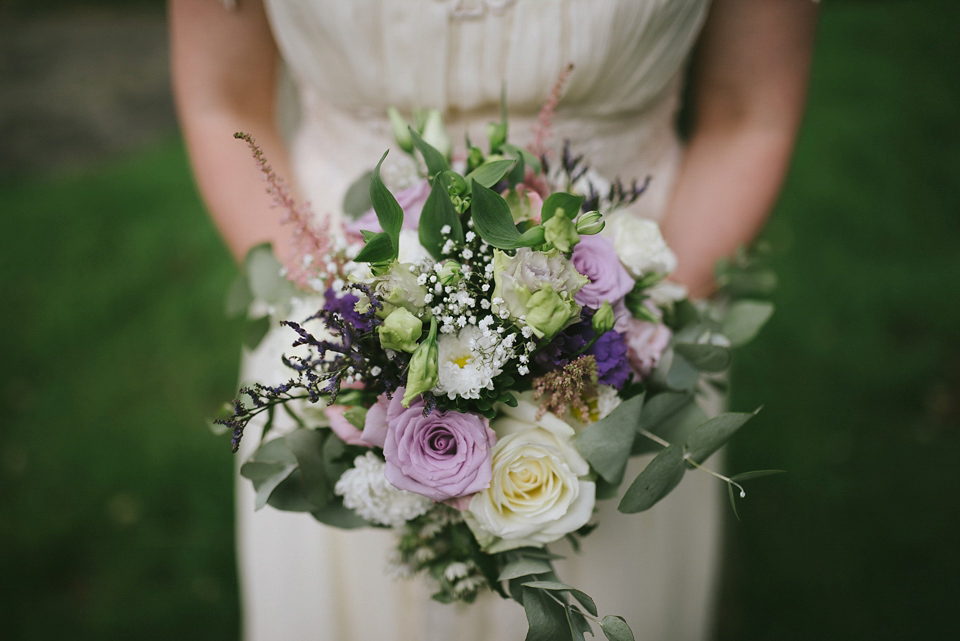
(116, 502)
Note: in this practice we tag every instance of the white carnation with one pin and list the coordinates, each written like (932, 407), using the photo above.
(365, 490)
(639, 244)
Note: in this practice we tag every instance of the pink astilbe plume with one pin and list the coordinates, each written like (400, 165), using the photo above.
(542, 130)
(311, 239)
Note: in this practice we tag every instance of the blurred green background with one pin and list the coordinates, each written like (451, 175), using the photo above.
(116, 502)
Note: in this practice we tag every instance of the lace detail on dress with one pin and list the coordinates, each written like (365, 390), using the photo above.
(473, 9)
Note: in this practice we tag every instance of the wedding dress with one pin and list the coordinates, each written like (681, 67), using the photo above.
(350, 60)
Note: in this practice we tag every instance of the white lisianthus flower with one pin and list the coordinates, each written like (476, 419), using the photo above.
(536, 495)
(468, 361)
(639, 244)
(398, 287)
(411, 251)
(366, 490)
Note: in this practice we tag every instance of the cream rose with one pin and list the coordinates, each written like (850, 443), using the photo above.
(639, 244)
(536, 495)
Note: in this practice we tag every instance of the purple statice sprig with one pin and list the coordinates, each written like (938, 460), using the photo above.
(351, 356)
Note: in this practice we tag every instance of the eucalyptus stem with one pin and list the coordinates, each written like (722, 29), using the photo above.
(686, 457)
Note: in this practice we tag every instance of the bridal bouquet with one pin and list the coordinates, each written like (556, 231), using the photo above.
(473, 362)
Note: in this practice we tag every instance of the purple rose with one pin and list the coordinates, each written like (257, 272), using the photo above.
(596, 258)
(443, 455)
(411, 202)
(645, 344)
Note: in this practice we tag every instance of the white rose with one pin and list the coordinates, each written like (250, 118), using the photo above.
(639, 244)
(536, 495)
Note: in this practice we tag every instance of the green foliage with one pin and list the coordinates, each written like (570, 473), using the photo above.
(606, 444)
(744, 320)
(655, 481)
(357, 201)
(489, 174)
(436, 162)
(569, 204)
(616, 629)
(438, 212)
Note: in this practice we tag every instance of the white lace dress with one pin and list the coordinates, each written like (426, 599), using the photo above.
(350, 60)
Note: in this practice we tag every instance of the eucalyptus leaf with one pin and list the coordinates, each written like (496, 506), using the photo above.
(254, 330)
(265, 276)
(744, 320)
(288, 495)
(239, 297)
(733, 500)
(435, 161)
(756, 474)
(379, 249)
(489, 174)
(356, 201)
(337, 515)
(655, 481)
(680, 374)
(492, 218)
(438, 212)
(578, 624)
(713, 434)
(616, 629)
(555, 586)
(568, 203)
(546, 617)
(606, 444)
(307, 447)
(663, 407)
(703, 356)
(523, 567)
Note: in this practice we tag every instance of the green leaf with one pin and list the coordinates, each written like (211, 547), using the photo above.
(711, 436)
(492, 218)
(578, 623)
(733, 500)
(337, 515)
(379, 249)
(616, 629)
(655, 481)
(435, 161)
(705, 357)
(386, 207)
(606, 444)
(556, 586)
(519, 152)
(239, 297)
(663, 407)
(523, 567)
(532, 237)
(756, 474)
(437, 212)
(288, 495)
(307, 447)
(356, 201)
(265, 276)
(680, 375)
(546, 617)
(744, 320)
(254, 331)
(568, 203)
(490, 173)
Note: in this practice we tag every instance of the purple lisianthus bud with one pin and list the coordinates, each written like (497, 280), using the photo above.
(596, 258)
(645, 344)
(411, 201)
(443, 455)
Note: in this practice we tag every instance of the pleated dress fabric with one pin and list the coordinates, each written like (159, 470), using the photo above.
(349, 61)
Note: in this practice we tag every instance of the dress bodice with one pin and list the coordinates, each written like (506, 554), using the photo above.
(351, 59)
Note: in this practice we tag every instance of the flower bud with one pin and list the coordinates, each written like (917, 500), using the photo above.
(400, 331)
(561, 232)
(590, 223)
(435, 134)
(474, 158)
(401, 131)
(422, 374)
(549, 312)
(450, 273)
(604, 319)
(497, 133)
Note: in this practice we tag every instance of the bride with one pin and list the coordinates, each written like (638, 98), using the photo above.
(350, 60)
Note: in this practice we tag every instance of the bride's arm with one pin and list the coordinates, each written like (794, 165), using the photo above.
(224, 67)
(750, 80)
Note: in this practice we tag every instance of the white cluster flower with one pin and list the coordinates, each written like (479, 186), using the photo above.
(365, 489)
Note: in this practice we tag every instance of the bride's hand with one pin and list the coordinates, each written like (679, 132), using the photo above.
(749, 85)
(225, 73)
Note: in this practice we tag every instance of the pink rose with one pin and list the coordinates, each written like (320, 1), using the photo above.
(596, 258)
(645, 344)
(443, 455)
(411, 202)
